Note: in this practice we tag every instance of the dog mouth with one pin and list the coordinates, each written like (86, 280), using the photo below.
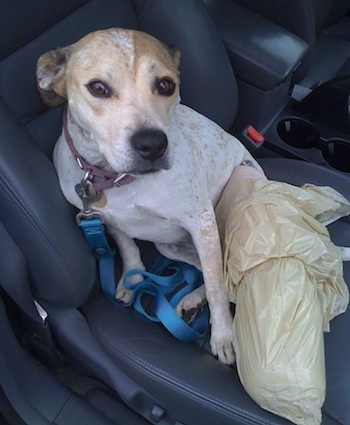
(138, 166)
(142, 170)
(141, 167)
(152, 171)
(137, 170)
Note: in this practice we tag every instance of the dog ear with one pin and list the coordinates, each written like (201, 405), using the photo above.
(50, 74)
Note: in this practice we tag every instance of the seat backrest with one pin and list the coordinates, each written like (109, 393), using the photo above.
(339, 8)
(207, 80)
(31, 205)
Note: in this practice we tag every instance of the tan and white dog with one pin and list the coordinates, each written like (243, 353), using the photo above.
(124, 118)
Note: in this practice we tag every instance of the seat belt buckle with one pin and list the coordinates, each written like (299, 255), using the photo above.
(251, 138)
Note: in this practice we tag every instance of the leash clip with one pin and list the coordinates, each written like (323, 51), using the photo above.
(88, 215)
(87, 193)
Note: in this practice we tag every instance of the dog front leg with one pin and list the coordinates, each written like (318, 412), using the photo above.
(131, 259)
(206, 239)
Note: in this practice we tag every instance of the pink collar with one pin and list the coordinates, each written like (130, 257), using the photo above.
(106, 179)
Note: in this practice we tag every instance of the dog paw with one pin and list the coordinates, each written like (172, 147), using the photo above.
(222, 343)
(189, 316)
(223, 350)
(190, 306)
(123, 294)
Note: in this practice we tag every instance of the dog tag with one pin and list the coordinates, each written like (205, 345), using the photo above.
(102, 202)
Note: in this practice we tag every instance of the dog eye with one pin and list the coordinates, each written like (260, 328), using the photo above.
(165, 87)
(98, 89)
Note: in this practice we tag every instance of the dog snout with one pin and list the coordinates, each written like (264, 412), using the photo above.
(151, 144)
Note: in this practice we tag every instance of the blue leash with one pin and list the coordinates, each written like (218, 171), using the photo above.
(166, 292)
(165, 284)
(94, 232)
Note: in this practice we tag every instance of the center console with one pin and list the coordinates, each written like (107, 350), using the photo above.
(264, 57)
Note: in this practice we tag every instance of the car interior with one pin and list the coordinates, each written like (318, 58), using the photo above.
(69, 355)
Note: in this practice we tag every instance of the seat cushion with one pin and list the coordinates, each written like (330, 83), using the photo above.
(206, 391)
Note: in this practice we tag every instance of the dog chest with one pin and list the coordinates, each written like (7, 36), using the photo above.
(140, 222)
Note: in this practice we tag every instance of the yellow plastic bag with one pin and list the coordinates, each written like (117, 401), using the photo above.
(285, 276)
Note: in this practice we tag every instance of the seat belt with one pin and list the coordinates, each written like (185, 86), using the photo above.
(14, 281)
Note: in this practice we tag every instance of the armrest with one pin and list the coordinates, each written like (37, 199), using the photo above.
(261, 52)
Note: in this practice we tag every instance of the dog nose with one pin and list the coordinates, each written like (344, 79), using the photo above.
(151, 144)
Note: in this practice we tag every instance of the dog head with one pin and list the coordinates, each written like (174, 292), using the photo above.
(122, 87)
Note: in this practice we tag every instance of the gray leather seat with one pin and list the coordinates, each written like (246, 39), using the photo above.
(164, 380)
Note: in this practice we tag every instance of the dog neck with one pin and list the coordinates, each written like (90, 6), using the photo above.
(102, 179)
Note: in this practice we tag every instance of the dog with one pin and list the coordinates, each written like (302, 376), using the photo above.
(169, 164)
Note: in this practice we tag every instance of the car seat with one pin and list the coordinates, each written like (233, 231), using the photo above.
(311, 21)
(271, 77)
(164, 380)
